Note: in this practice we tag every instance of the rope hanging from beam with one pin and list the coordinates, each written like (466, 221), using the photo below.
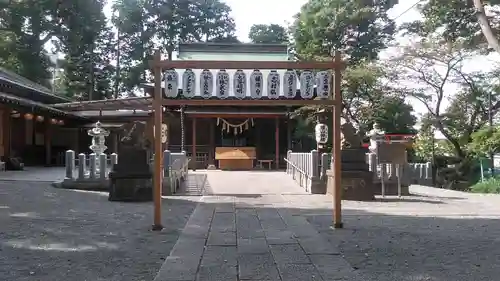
(236, 128)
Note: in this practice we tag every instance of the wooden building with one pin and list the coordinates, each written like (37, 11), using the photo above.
(30, 127)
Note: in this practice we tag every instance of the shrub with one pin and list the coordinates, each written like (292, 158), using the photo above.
(491, 185)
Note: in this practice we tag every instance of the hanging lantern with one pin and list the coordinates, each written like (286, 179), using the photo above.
(222, 84)
(323, 84)
(240, 84)
(321, 133)
(39, 118)
(290, 84)
(60, 122)
(188, 83)
(306, 84)
(164, 129)
(171, 83)
(53, 121)
(273, 85)
(15, 114)
(256, 84)
(28, 116)
(206, 83)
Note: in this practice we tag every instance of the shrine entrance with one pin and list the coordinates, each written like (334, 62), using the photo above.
(281, 88)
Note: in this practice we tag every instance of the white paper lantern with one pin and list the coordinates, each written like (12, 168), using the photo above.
(306, 84)
(273, 85)
(256, 84)
(206, 84)
(171, 83)
(323, 84)
(321, 133)
(222, 84)
(290, 84)
(240, 84)
(188, 83)
(164, 132)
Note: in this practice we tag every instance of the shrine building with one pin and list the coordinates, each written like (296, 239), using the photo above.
(42, 125)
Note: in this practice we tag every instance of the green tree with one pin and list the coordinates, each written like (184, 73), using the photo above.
(368, 99)
(485, 141)
(357, 28)
(86, 41)
(268, 34)
(458, 20)
(146, 25)
(432, 68)
(27, 26)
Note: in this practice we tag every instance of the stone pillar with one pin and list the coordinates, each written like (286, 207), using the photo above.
(93, 165)
(103, 166)
(81, 166)
(113, 160)
(70, 164)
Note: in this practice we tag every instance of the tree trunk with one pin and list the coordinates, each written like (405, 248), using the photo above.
(485, 25)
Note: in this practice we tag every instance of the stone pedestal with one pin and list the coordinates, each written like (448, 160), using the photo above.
(131, 178)
(357, 180)
(391, 189)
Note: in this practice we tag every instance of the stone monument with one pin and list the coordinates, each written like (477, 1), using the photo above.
(357, 180)
(376, 135)
(131, 178)
(98, 145)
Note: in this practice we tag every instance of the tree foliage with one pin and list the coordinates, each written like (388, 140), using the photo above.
(367, 99)
(268, 34)
(429, 71)
(485, 141)
(454, 20)
(85, 36)
(357, 28)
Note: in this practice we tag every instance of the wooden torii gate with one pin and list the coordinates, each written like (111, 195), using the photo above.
(334, 100)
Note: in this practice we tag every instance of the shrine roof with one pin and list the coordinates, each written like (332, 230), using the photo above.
(135, 103)
(37, 106)
(233, 48)
(27, 89)
(143, 105)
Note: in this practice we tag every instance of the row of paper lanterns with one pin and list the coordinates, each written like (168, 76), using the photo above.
(322, 81)
(38, 118)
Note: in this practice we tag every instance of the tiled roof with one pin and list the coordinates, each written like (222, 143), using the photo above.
(13, 78)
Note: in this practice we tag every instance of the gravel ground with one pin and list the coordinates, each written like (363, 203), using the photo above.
(55, 234)
(437, 236)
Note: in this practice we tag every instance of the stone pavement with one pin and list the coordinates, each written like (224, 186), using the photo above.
(237, 234)
(36, 174)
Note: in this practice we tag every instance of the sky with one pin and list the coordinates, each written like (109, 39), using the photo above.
(247, 13)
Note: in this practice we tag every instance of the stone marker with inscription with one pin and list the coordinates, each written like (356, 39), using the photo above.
(357, 179)
(131, 178)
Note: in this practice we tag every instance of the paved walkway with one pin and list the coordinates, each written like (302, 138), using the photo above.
(237, 233)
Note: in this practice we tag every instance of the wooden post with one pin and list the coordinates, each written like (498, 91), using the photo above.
(193, 152)
(158, 161)
(277, 142)
(47, 141)
(6, 132)
(336, 157)
(289, 133)
(211, 152)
